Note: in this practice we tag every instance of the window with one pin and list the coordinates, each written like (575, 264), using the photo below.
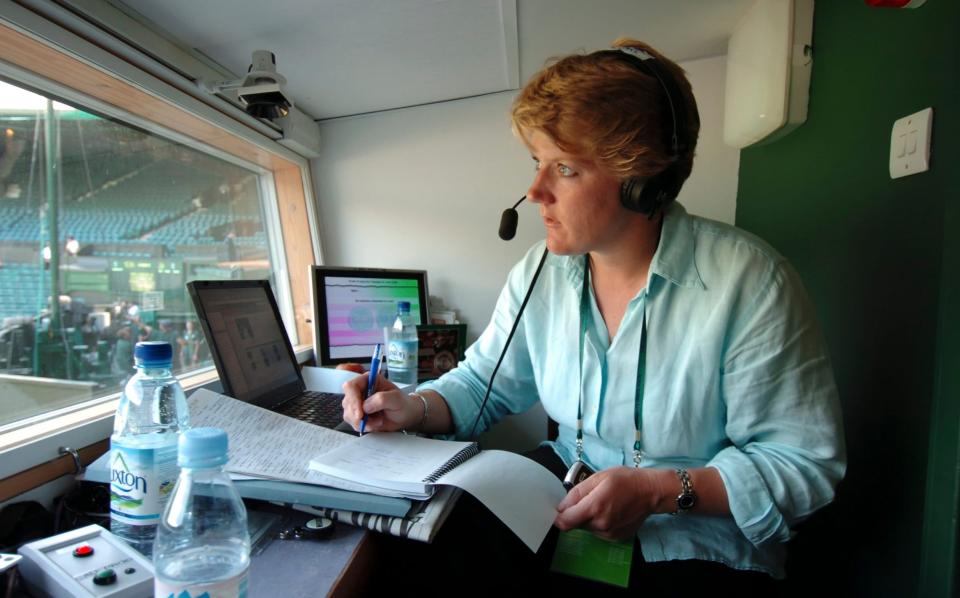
(112, 220)
(139, 193)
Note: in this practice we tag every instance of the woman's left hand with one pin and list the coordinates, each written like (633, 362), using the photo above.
(614, 502)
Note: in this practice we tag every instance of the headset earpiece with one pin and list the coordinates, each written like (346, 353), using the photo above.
(649, 195)
(631, 194)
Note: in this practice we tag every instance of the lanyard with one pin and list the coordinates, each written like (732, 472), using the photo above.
(641, 370)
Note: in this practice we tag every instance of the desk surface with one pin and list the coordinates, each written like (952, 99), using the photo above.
(334, 566)
(328, 567)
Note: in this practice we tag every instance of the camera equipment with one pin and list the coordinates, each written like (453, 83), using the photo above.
(261, 92)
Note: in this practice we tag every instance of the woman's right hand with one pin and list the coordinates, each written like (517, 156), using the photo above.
(388, 409)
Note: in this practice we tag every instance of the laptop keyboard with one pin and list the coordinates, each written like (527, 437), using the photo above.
(320, 408)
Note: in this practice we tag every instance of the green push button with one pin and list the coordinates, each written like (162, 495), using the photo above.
(105, 578)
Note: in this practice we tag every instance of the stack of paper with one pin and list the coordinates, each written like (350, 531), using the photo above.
(521, 492)
(268, 456)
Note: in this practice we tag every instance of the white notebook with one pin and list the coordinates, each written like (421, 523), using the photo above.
(521, 492)
(394, 462)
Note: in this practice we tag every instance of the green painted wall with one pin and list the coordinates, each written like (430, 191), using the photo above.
(881, 260)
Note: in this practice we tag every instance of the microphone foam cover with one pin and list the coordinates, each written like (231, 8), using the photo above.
(508, 224)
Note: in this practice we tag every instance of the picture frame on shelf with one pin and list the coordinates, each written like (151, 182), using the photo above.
(442, 347)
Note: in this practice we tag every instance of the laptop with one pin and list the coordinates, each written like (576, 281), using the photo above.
(253, 354)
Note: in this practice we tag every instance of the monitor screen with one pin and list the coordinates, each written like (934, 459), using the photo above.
(247, 340)
(351, 306)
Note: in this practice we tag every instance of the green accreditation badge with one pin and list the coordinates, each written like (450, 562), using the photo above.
(583, 554)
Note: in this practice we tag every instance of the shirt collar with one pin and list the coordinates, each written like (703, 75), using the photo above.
(675, 258)
(673, 261)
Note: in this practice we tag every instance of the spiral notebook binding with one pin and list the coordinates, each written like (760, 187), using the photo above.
(464, 454)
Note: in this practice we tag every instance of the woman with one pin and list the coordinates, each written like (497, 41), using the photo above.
(688, 347)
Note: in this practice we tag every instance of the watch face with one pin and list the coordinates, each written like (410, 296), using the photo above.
(686, 501)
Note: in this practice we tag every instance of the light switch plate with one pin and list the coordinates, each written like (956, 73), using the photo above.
(910, 144)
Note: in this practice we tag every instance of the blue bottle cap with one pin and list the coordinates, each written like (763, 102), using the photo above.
(202, 448)
(403, 306)
(153, 353)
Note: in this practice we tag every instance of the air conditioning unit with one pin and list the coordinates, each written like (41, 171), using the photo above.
(769, 61)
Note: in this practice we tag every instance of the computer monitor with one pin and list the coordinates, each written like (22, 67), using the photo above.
(351, 306)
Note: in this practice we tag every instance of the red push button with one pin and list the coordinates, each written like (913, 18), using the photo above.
(83, 551)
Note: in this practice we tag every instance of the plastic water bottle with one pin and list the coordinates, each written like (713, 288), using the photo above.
(402, 347)
(203, 546)
(143, 458)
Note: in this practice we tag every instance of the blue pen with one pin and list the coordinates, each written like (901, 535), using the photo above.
(371, 381)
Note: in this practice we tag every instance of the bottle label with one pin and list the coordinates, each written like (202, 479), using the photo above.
(235, 587)
(402, 355)
(141, 480)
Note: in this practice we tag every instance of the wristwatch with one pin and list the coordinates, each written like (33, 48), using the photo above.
(687, 498)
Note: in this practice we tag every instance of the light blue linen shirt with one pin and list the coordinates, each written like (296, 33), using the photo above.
(738, 379)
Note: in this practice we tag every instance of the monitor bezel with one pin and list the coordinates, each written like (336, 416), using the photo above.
(318, 300)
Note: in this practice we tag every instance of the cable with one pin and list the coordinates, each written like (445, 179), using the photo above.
(503, 353)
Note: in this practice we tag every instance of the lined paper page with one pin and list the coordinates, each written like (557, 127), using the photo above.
(390, 460)
(266, 444)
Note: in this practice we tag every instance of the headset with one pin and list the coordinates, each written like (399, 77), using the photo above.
(648, 195)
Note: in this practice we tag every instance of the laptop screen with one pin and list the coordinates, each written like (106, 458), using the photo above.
(247, 339)
(351, 306)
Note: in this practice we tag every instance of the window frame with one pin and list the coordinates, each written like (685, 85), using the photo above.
(39, 54)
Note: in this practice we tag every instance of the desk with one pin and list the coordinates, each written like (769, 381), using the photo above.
(336, 566)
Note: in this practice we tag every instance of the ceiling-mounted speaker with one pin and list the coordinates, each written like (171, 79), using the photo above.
(769, 62)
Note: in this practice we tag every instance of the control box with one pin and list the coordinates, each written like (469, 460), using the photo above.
(89, 561)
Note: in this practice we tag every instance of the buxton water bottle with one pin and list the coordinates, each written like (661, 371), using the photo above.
(402, 346)
(203, 547)
(143, 448)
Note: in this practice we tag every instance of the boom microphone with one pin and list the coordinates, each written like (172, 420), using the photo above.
(508, 221)
(508, 228)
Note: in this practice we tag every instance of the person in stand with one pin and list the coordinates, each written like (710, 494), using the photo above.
(170, 335)
(230, 243)
(91, 333)
(190, 345)
(680, 357)
(122, 361)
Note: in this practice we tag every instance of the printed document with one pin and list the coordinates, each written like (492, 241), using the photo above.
(519, 491)
(264, 444)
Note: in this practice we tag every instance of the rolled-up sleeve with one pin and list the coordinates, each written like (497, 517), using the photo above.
(514, 389)
(783, 412)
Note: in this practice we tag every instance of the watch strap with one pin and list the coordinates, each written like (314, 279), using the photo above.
(687, 498)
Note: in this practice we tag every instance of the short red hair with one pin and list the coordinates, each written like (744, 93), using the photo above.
(603, 107)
